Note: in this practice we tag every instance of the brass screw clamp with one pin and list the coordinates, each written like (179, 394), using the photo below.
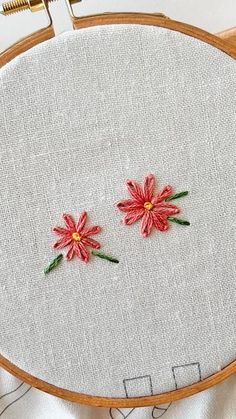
(14, 6)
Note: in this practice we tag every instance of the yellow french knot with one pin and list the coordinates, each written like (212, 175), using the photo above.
(148, 205)
(76, 237)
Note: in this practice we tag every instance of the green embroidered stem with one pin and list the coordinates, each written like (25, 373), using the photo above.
(176, 196)
(103, 256)
(178, 221)
(53, 264)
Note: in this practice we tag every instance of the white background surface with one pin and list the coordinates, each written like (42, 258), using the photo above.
(212, 15)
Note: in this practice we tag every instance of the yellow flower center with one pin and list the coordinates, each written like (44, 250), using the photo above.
(148, 205)
(76, 237)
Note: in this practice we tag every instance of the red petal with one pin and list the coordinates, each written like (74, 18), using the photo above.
(81, 252)
(165, 193)
(69, 222)
(146, 224)
(135, 190)
(91, 242)
(129, 205)
(148, 187)
(81, 222)
(62, 242)
(70, 252)
(166, 209)
(160, 222)
(133, 216)
(90, 231)
(61, 231)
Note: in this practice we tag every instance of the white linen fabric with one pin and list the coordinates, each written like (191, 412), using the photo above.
(219, 402)
(80, 114)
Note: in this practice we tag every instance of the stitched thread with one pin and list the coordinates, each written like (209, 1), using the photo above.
(14, 401)
(53, 264)
(103, 256)
(186, 366)
(12, 391)
(160, 411)
(128, 380)
(176, 196)
(151, 208)
(77, 237)
(124, 415)
(179, 221)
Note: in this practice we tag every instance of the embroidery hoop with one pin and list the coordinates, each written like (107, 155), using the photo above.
(229, 48)
(225, 41)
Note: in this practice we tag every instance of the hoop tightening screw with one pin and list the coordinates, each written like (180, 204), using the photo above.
(14, 6)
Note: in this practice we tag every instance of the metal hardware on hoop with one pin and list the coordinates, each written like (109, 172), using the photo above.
(15, 6)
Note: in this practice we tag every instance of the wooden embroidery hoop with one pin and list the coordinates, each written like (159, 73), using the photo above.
(225, 41)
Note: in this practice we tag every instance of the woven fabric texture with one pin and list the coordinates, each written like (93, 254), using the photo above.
(80, 114)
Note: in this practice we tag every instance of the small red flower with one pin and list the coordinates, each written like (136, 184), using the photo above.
(148, 206)
(77, 237)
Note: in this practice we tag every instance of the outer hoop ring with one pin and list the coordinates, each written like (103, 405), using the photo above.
(72, 396)
(120, 18)
(24, 45)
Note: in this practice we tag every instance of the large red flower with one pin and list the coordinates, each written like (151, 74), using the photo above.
(148, 206)
(77, 237)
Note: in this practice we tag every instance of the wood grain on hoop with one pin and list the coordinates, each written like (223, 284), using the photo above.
(26, 43)
(107, 19)
(119, 402)
(155, 20)
(121, 18)
(229, 36)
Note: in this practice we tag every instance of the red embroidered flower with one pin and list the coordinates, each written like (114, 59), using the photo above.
(77, 237)
(148, 206)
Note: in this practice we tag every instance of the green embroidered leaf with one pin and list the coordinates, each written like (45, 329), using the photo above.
(178, 221)
(53, 264)
(176, 196)
(103, 256)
